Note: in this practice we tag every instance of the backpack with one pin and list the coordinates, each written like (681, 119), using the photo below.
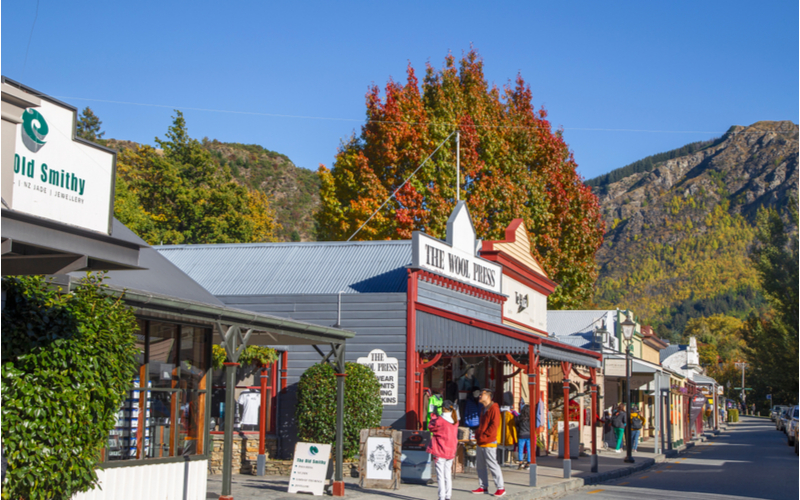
(636, 422)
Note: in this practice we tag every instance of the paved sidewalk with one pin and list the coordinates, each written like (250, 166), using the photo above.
(551, 480)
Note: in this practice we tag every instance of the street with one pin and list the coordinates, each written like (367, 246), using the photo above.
(749, 460)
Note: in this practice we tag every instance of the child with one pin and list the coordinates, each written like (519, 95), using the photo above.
(524, 435)
(444, 440)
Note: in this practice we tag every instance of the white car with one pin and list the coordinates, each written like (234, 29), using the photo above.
(791, 425)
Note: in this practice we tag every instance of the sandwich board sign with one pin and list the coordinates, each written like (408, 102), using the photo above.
(309, 468)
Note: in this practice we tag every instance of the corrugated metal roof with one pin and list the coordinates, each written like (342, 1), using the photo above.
(159, 276)
(670, 350)
(295, 268)
(582, 340)
(564, 323)
(437, 334)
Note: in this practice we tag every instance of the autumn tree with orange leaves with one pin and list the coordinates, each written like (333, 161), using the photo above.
(513, 165)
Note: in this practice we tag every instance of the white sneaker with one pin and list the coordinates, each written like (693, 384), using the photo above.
(619, 450)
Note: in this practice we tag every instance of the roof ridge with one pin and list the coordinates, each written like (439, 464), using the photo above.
(284, 244)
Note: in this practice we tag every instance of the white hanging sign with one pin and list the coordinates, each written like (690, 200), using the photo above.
(456, 258)
(309, 468)
(386, 370)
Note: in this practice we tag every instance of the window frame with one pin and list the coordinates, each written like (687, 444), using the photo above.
(203, 391)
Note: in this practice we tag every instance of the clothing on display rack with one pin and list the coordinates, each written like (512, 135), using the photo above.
(251, 403)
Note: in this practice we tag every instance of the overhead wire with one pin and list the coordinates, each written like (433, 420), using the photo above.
(390, 122)
(401, 185)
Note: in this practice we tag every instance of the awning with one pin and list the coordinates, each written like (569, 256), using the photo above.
(571, 356)
(704, 380)
(32, 245)
(439, 334)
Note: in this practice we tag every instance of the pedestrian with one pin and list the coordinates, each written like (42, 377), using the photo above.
(753, 409)
(487, 445)
(637, 422)
(444, 441)
(618, 422)
(524, 435)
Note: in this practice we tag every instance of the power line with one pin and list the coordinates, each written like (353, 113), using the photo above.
(401, 185)
(361, 120)
(30, 37)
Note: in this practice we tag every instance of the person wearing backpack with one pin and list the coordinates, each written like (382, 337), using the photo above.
(618, 422)
(523, 422)
(636, 427)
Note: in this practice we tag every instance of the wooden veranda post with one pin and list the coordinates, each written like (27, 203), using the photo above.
(566, 368)
(261, 464)
(533, 395)
(594, 415)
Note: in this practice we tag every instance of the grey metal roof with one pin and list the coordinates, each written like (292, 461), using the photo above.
(552, 352)
(564, 323)
(582, 340)
(161, 277)
(670, 350)
(295, 268)
(703, 379)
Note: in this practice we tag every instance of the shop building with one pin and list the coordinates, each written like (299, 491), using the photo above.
(600, 330)
(57, 219)
(428, 314)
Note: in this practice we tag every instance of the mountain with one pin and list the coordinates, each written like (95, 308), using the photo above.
(680, 225)
(293, 191)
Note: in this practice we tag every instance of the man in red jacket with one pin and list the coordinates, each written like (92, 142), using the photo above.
(486, 437)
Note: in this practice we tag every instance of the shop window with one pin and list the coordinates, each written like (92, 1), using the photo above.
(164, 417)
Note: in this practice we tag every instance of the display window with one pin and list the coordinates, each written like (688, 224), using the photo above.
(164, 414)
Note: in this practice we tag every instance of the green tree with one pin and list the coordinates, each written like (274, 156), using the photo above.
(89, 126)
(772, 338)
(181, 195)
(514, 165)
(68, 360)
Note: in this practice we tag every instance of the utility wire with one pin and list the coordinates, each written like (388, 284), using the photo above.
(403, 184)
(361, 120)
(30, 37)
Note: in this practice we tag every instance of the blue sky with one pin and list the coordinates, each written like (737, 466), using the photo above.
(624, 79)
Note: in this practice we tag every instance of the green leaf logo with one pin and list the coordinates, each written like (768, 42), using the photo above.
(34, 130)
(313, 450)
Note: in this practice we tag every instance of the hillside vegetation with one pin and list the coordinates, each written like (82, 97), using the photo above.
(680, 233)
(292, 192)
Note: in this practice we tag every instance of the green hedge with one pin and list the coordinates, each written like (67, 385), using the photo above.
(67, 362)
(733, 415)
(316, 405)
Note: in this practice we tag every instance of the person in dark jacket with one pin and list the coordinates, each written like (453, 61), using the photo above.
(619, 420)
(524, 434)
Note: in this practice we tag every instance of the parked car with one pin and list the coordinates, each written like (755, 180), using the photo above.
(796, 440)
(791, 425)
(780, 422)
(776, 411)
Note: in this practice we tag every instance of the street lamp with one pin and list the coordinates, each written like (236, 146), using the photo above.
(627, 332)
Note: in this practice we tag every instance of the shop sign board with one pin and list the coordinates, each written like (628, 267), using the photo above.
(614, 367)
(380, 458)
(309, 468)
(457, 258)
(57, 177)
(696, 406)
(386, 370)
(415, 461)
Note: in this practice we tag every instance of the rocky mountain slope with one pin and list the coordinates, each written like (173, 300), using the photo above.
(679, 234)
(293, 191)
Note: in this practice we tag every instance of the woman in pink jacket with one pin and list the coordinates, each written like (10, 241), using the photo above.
(444, 440)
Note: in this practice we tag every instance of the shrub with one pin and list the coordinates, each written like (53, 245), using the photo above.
(316, 405)
(68, 360)
(733, 415)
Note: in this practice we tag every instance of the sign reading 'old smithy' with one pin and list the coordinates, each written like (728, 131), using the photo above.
(57, 177)
(456, 258)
